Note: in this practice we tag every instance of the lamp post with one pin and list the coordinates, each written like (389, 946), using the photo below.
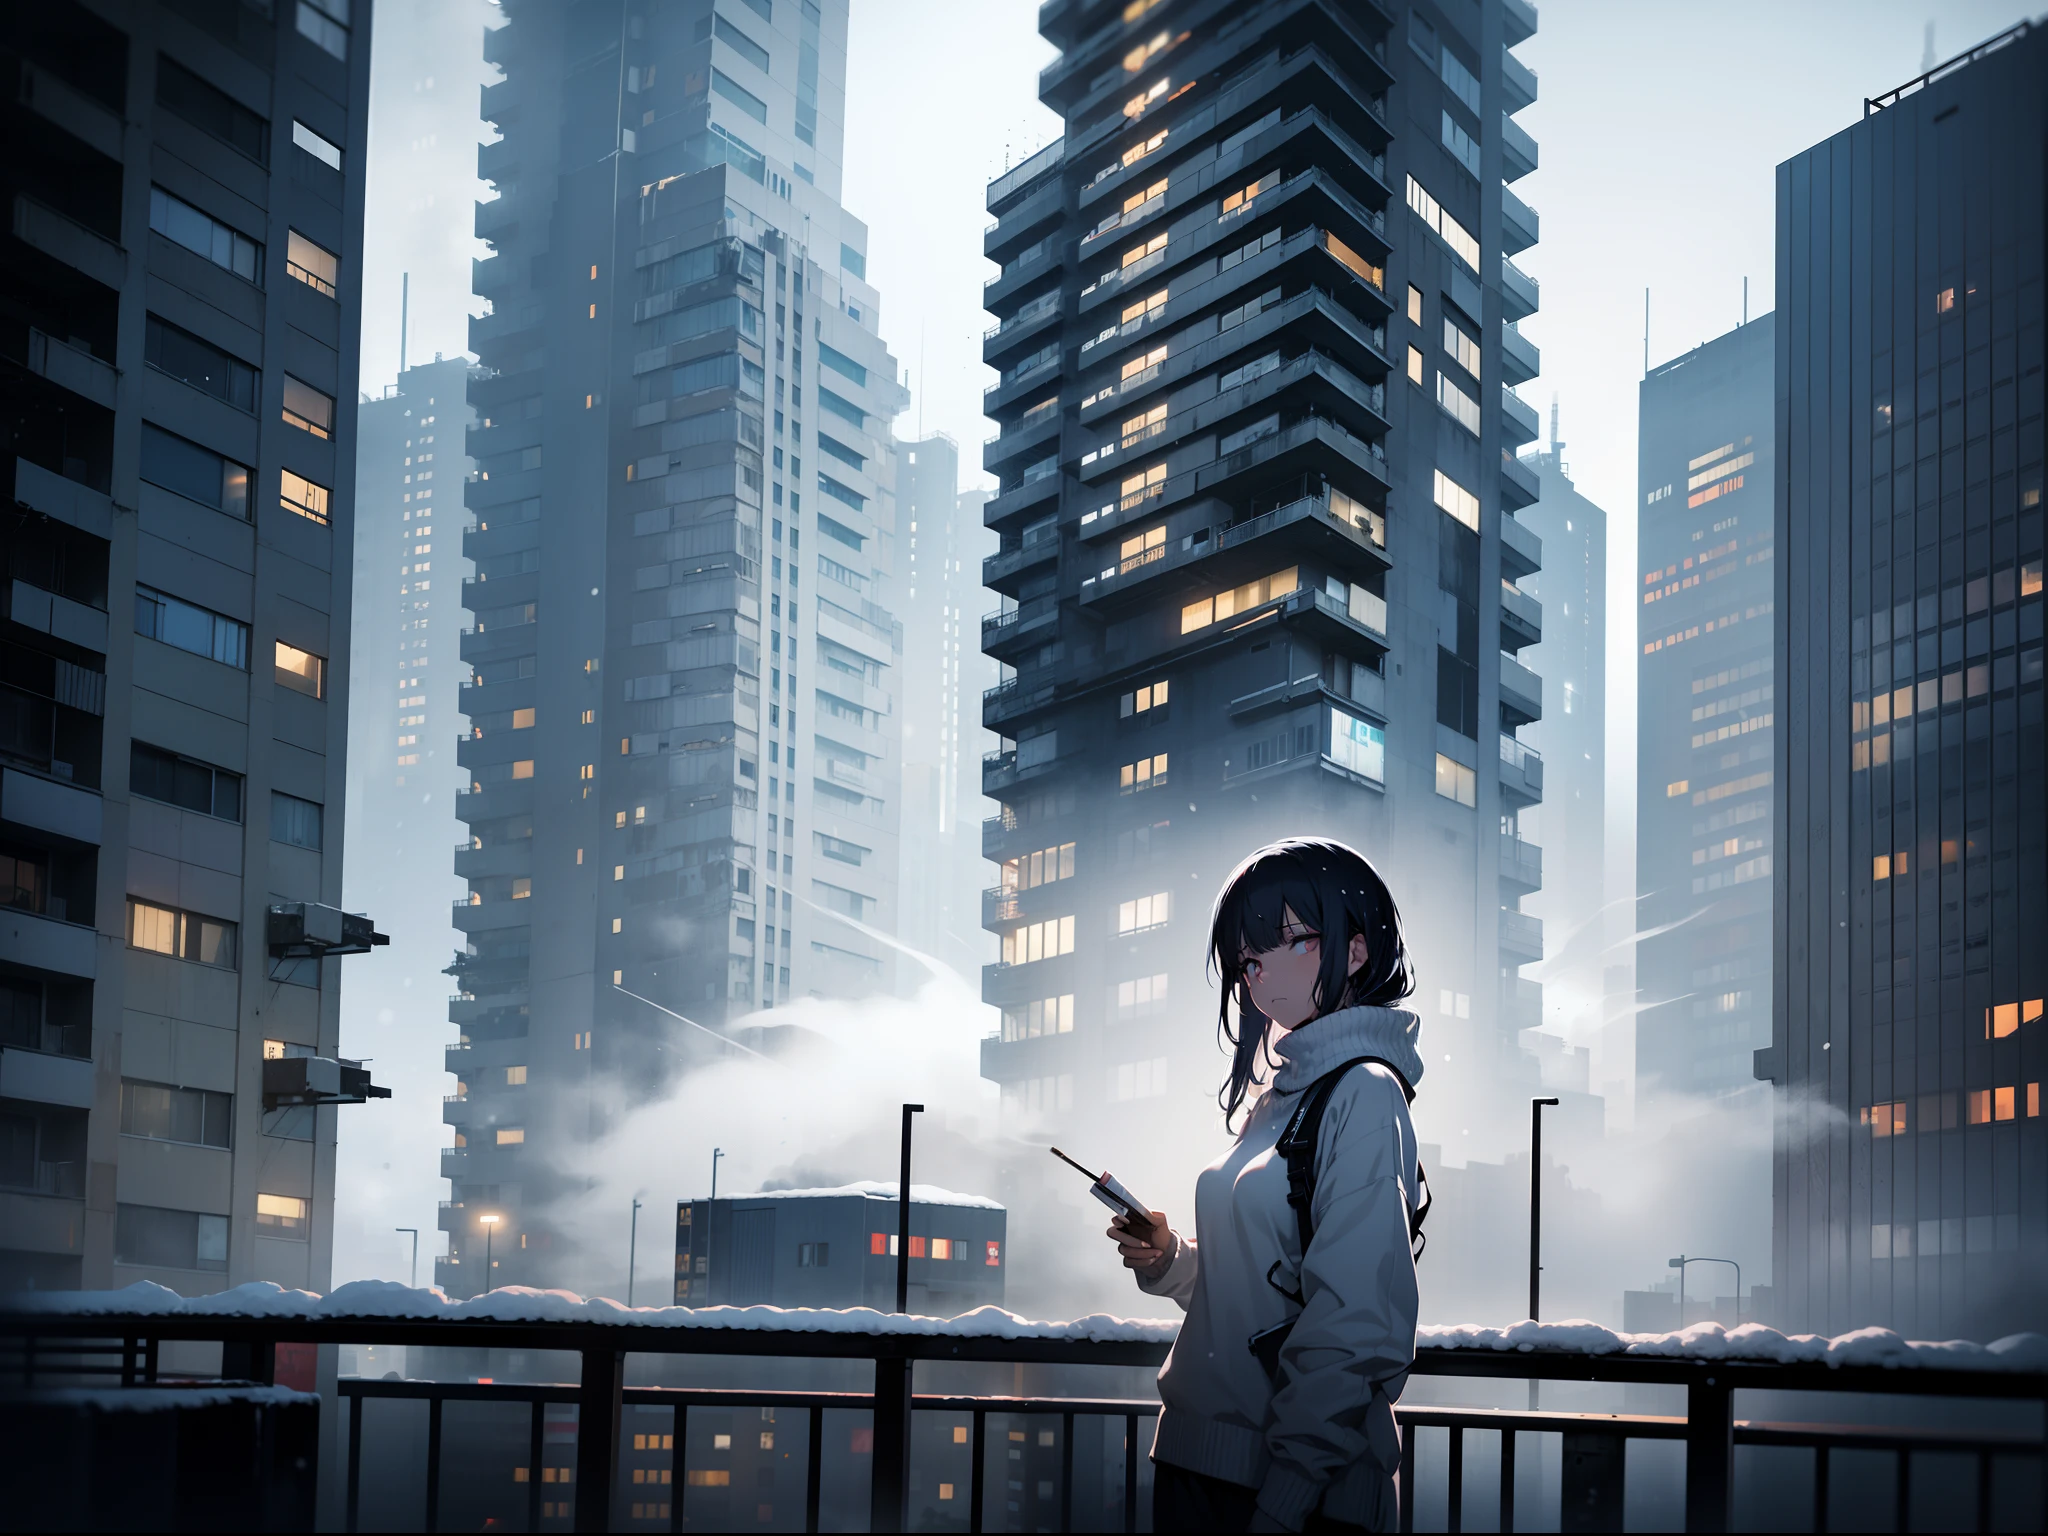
(903, 1214)
(716, 1154)
(490, 1226)
(1536, 1107)
(632, 1251)
(415, 1231)
(1679, 1264)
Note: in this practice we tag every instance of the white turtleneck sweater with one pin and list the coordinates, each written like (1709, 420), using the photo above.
(1328, 1433)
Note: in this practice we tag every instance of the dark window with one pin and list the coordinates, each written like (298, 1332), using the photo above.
(179, 465)
(161, 1239)
(1457, 693)
(163, 1113)
(199, 363)
(294, 821)
(194, 786)
(207, 108)
(24, 879)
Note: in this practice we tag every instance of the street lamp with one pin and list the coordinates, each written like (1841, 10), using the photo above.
(415, 1231)
(490, 1225)
(1536, 1201)
(632, 1250)
(1679, 1264)
(716, 1154)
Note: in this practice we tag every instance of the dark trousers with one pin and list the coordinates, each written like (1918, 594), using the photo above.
(1189, 1501)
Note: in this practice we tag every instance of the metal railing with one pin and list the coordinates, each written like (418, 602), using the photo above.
(1920, 82)
(106, 1348)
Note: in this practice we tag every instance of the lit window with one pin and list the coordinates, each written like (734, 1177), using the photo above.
(1138, 253)
(281, 1215)
(308, 408)
(1141, 364)
(511, 1136)
(1143, 912)
(1463, 349)
(523, 768)
(1415, 368)
(1414, 305)
(1214, 610)
(1945, 301)
(1141, 55)
(314, 265)
(514, 1076)
(1358, 745)
(1454, 781)
(1454, 234)
(522, 719)
(522, 887)
(181, 935)
(298, 494)
(1457, 501)
(1237, 201)
(1039, 941)
(1139, 700)
(1030, 870)
(1136, 106)
(300, 671)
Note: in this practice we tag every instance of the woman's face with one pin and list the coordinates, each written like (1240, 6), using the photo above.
(1283, 980)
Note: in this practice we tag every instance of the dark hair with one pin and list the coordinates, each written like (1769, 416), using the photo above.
(1334, 890)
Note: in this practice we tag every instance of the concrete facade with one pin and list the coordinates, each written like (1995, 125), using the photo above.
(179, 377)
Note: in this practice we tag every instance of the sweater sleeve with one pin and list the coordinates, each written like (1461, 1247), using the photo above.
(1177, 1282)
(1356, 1330)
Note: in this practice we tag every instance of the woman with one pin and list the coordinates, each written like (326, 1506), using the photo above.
(1307, 942)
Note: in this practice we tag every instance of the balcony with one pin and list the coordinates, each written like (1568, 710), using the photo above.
(1518, 150)
(1519, 358)
(1085, 1447)
(1519, 226)
(1521, 618)
(1519, 424)
(1521, 692)
(1521, 1002)
(455, 1162)
(1521, 773)
(50, 944)
(1023, 174)
(1040, 547)
(1521, 550)
(1521, 937)
(1519, 21)
(1003, 771)
(1010, 701)
(1519, 294)
(40, 1077)
(1518, 82)
(1521, 864)
(1005, 632)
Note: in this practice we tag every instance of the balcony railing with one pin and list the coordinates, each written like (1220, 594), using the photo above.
(51, 1339)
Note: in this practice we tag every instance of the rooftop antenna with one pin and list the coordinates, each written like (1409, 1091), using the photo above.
(1927, 60)
(1745, 299)
(404, 315)
(1556, 443)
(1646, 333)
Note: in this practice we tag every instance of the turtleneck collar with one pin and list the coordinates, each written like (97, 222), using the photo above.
(1307, 1053)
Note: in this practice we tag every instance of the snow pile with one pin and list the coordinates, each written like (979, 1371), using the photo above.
(920, 1194)
(167, 1399)
(386, 1299)
(1751, 1341)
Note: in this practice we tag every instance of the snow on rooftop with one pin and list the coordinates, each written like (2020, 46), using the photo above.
(383, 1299)
(920, 1194)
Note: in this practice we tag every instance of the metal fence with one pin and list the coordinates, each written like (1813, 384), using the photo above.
(50, 1349)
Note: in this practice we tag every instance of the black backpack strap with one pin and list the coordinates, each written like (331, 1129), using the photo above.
(1297, 1144)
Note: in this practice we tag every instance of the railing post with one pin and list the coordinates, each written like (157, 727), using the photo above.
(1592, 1482)
(977, 1488)
(889, 1482)
(1709, 1453)
(536, 1452)
(598, 1405)
(433, 1518)
(814, 1470)
(249, 1360)
(355, 1463)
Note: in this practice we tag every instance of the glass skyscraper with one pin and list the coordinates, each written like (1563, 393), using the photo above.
(1908, 1036)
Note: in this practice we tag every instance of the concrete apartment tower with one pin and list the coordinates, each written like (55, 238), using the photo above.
(1259, 551)
(682, 747)
(939, 539)
(179, 364)
(1705, 710)
(1572, 657)
(1910, 970)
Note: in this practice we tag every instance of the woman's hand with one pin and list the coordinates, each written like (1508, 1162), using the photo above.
(1137, 1247)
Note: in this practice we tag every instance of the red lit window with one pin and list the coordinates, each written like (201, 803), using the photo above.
(995, 1254)
(917, 1247)
(878, 1242)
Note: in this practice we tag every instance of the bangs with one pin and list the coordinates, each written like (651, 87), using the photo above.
(1252, 916)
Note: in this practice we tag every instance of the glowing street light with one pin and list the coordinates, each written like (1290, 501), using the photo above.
(490, 1225)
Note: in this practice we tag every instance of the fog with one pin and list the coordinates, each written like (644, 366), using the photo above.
(940, 98)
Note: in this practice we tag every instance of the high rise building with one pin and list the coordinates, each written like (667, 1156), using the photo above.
(682, 749)
(1908, 1030)
(1572, 657)
(1704, 714)
(938, 540)
(1259, 550)
(177, 371)
(406, 712)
